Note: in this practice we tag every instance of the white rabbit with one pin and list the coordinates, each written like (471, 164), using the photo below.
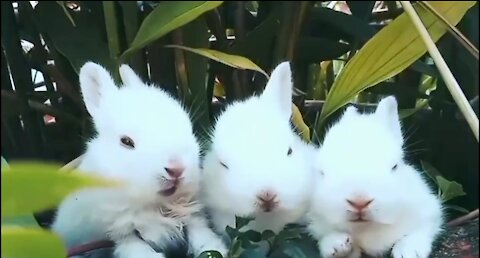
(257, 166)
(145, 140)
(367, 197)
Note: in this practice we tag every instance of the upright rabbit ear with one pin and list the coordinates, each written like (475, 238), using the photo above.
(387, 111)
(95, 83)
(278, 90)
(129, 77)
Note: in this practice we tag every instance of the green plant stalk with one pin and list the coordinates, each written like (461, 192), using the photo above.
(455, 32)
(445, 72)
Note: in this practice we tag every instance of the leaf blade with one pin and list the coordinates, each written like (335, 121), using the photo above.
(389, 52)
(234, 61)
(41, 243)
(166, 17)
(32, 187)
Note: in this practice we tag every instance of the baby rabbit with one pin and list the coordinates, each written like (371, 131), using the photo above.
(256, 165)
(367, 197)
(145, 140)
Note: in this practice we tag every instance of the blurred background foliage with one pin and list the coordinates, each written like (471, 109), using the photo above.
(209, 53)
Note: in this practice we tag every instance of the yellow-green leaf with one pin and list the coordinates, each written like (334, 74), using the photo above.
(300, 123)
(389, 52)
(18, 242)
(449, 189)
(166, 17)
(33, 187)
(234, 61)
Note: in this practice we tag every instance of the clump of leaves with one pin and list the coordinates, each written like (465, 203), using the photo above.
(251, 243)
(446, 189)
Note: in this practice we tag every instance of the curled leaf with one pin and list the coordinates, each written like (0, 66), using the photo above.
(234, 61)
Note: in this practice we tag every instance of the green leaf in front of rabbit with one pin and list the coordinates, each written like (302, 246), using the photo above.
(449, 189)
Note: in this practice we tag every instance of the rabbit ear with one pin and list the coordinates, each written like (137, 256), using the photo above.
(129, 77)
(95, 84)
(278, 90)
(387, 111)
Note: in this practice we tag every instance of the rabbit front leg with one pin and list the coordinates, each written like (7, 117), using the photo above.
(417, 244)
(132, 247)
(202, 238)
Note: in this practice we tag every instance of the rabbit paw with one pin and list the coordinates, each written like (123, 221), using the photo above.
(336, 245)
(411, 247)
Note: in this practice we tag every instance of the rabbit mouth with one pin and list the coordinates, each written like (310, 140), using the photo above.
(170, 187)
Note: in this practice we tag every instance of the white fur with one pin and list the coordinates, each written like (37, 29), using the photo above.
(356, 158)
(162, 131)
(252, 138)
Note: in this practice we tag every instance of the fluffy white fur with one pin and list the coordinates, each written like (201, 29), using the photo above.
(252, 138)
(358, 158)
(162, 133)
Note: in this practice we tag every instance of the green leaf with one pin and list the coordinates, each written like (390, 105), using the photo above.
(234, 61)
(294, 252)
(267, 234)
(22, 220)
(65, 10)
(252, 235)
(241, 222)
(404, 113)
(252, 253)
(166, 17)
(232, 232)
(210, 254)
(299, 123)
(33, 187)
(449, 189)
(430, 170)
(27, 243)
(389, 52)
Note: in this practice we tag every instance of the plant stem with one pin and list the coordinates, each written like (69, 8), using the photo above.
(445, 72)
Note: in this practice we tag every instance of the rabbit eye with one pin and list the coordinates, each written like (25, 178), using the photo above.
(395, 167)
(127, 142)
(289, 151)
(223, 165)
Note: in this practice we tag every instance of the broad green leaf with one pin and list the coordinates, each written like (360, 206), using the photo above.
(166, 17)
(449, 189)
(390, 51)
(33, 187)
(20, 242)
(300, 123)
(234, 61)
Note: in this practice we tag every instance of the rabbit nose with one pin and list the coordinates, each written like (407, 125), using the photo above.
(359, 203)
(175, 171)
(268, 200)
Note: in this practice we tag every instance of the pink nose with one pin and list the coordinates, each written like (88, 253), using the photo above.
(359, 203)
(268, 200)
(175, 171)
